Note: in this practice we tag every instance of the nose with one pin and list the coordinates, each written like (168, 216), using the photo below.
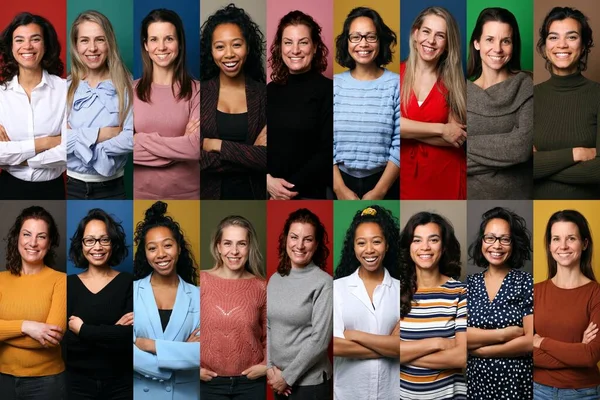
(300, 245)
(295, 48)
(162, 45)
(97, 245)
(235, 250)
(563, 244)
(498, 47)
(562, 42)
(33, 241)
(160, 252)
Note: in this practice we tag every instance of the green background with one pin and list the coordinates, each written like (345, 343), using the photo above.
(523, 11)
(343, 212)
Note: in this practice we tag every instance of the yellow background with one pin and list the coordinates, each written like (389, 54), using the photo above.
(542, 210)
(390, 13)
(185, 212)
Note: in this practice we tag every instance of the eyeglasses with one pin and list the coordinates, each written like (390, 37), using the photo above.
(91, 242)
(491, 239)
(356, 37)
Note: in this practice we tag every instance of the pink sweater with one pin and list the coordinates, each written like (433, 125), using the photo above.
(233, 323)
(166, 162)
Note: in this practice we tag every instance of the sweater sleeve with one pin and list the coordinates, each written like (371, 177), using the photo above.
(541, 359)
(395, 148)
(263, 320)
(546, 163)
(319, 339)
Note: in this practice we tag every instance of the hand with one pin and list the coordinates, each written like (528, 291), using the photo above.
(277, 382)
(107, 133)
(194, 336)
(261, 139)
(512, 332)
(537, 340)
(350, 334)
(211, 145)
(590, 333)
(192, 126)
(207, 375)
(479, 352)
(75, 324)
(454, 133)
(280, 189)
(373, 194)
(147, 345)
(126, 319)
(45, 334)
(3, 135)
(583, 154)
(255, 371)
(344, 193)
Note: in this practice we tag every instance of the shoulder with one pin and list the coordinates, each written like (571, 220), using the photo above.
(342, 77)
(125, 277)
(323, 279)
(454, 286)
(474, 277)
(541, 286)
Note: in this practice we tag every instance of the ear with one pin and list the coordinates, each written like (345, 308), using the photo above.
(146, 45)
(585, 244)
(476, 44)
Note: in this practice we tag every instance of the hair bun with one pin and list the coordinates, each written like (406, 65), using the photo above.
(157, 210)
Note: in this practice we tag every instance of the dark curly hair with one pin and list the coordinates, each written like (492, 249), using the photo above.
(155, 217)
(585, 264)
(280, 71)
(559, 14)
(115, 231)
(13, 257)
(51, 61)
(305, 216)
(520, 235)
(491, 14)
(386, 36)
(254, 67)
(448, 265)
(391, 229)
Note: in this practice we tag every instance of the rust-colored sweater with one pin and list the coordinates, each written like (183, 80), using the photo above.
(41, 297)
(233, 323)
(560, 317)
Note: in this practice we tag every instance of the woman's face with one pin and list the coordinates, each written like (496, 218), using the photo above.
(162, 44)
(301, 244)
(92, 46)
(98, 253)
(494, 250)
(566, 245)
(426, 247)
(564, 46)
(162, 250)
(431, 38)
(370, 245)
(229, 49)
(363, 50)
(297, 48)
(28, 46)
(495, 45)
(34, 241)
(234, 247)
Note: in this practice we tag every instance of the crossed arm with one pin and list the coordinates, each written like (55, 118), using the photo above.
(512, 341)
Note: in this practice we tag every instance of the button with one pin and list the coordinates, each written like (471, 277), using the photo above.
(147, 376)
(161, 380)
(154, 378)
(146, 389)
(168, 388)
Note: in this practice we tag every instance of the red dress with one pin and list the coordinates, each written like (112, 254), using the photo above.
(430, 172)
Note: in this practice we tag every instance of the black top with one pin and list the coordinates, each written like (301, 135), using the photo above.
(102, 349)
(165, 316)
(300, 133)
(234, 128)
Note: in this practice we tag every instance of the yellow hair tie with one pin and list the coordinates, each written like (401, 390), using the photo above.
(368, 211)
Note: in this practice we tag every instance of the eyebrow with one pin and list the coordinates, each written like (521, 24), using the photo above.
(287, 38)
(430, 236)
(426, 27)
(35, 35)
(372, 237)
(568, 33)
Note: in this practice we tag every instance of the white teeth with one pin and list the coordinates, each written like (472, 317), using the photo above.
(496, 254)
(496, 58)
(370, 259)
(234, 259)
(561, 55)
(162, 56)
(364, 53)
(163, 264)
(300, 253)
(230, 64)
(425, 256)
(428, 49)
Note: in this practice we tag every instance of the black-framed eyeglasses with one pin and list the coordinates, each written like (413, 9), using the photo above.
(91, 242)
(491, 239)
(356, 37)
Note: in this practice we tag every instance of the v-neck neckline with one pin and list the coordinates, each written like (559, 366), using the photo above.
(103, 287)
(487, 294)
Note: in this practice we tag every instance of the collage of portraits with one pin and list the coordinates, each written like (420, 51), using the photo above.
(158, 242)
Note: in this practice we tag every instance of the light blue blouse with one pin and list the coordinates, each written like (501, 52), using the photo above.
(95, 108)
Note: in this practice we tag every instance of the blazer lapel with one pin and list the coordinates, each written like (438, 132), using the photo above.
(179, 314)
(253, 103)
(150, 307)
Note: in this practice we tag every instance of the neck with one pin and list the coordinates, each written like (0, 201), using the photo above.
(95, 76)
(569, 277)
(374, 276)
(430, 277)
(95, 271)
(160, 280)
(236, 81)
(499, 271)
(30, 78)
(366, 72)
(427, 67)
(491, 77)
(162, 76)
(227, 273)
(31, 269)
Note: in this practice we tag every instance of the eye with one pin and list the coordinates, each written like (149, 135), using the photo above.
(489, 40)
(552, 37)
(507, 41)
(219, 47)
(305, 43)
(555, 239)
(151, 248)
(168, 246)
(416, 240)
(83, 41)
(360, 243)
(435, 240)
(572, 37)
(26, 234)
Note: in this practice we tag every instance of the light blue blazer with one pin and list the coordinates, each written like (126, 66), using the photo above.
(174, 372)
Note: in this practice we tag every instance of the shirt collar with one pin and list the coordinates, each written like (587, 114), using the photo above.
(14, 82)
(355, 279)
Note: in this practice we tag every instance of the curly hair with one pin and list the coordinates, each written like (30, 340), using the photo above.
(560, 14)
(255, 40)
(115, 231)
(585, 264)
(254, 264)
(519, 234)
(51, 61)
(391, 228)
(155, 217)
(280, 71)
(303, 216)
(13, 257)
(449, 263)
(386, 36)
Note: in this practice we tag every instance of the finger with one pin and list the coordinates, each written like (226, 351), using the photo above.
(55, 328)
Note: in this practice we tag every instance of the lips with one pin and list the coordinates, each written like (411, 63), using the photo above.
(98, 256)
(162, 57)
(562, 55)
(231, 65)
(428, 49)
(163, 264)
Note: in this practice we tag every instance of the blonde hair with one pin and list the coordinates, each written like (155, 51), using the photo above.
(255, 259)
(119, 75)
(448, 69)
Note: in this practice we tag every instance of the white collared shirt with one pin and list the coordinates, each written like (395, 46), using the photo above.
(360, 379)
(24, 121)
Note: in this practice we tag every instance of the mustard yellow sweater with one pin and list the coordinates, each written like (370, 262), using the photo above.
(40, 297)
